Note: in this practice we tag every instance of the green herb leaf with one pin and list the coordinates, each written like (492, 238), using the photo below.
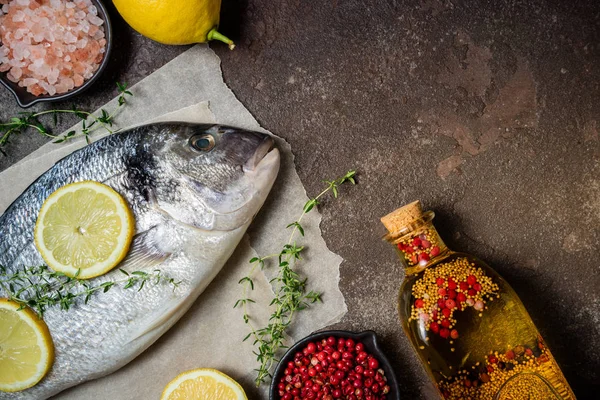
(297, 225)
(310, 205)
(31, 120)
(289, 289)
(40, 287)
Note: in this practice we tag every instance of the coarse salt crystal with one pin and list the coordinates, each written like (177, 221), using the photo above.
(11, 77)
(37, 63)
(56, 4)
(37, 52)
(69, 38)
(69, 82)
(15, 63)
(44, 69)
(78, 80)
(68, 43)
(53, 76)
(37, 29)
(30, 81)
(49, 36)
(18, 53)
(16, 72)
(95, 20)
(20, 33)
(61, 88)
(19, 16)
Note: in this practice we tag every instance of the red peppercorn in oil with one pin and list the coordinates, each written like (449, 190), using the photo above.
(466, 323)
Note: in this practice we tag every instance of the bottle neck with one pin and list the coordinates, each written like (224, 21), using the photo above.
(420, 246)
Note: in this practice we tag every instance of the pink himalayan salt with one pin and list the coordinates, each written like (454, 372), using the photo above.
(29, 81)
(50, 46)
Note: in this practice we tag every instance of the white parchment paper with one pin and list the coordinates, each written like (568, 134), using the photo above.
(191, 88)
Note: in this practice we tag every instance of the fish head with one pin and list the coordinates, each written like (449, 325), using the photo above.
(222, 175)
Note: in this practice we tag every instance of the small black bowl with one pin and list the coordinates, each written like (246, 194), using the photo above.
(26, 99)
(368, 338)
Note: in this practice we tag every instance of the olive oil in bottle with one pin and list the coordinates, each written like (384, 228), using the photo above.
(468, 326)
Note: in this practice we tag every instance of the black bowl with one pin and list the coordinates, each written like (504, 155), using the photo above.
(368, 338)
(26, 99)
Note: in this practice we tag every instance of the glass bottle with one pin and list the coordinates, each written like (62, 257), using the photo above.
(468, 326)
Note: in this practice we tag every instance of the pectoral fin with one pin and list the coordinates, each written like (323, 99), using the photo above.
(145, 252)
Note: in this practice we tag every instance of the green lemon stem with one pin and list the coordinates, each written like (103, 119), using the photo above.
(213, 34)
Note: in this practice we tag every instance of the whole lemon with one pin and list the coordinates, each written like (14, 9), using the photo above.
(174, 21)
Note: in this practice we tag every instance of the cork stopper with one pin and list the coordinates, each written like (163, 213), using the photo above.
(402, 217)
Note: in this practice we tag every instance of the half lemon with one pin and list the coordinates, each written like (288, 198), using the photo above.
(86, 227)
(203, 384)
(26, 349)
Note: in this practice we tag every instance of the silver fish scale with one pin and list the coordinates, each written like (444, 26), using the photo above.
(95, 339)
(95, 162)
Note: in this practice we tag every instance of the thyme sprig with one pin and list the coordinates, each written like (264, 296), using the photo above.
(289, 289)
(89, 121)
(40, 287)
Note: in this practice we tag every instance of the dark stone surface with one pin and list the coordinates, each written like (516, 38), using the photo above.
(486, 111)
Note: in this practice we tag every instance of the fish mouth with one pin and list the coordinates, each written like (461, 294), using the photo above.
(262, 151)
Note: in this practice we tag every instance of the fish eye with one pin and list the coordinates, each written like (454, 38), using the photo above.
(204, 142)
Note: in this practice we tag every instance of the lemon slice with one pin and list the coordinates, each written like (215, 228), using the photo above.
(26, 349)
(203, 384)
(85, 226)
